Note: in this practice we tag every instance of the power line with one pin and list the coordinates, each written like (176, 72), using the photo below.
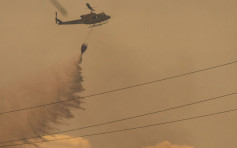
(123, 88)
(128, 118)
(129, 129)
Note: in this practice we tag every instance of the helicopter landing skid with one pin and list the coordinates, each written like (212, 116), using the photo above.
(99, 24)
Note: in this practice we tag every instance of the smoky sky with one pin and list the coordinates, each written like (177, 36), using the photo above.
(143, 41)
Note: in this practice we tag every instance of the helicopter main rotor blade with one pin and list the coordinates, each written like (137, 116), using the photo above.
(89, 7)
(59, 7)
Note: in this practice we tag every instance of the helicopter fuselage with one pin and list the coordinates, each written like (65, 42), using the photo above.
(91, 18)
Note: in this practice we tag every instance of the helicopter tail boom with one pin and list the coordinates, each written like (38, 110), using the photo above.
(59, 22)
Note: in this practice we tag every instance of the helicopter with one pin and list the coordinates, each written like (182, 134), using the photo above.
(93, 19)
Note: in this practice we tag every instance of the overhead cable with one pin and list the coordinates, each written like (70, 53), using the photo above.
(120, 89)
(127, 118)
(128, 129)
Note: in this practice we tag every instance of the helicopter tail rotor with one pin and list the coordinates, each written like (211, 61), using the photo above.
(59, 7)
(58, 21)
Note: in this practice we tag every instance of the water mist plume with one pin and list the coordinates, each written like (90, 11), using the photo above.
(62, 82)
